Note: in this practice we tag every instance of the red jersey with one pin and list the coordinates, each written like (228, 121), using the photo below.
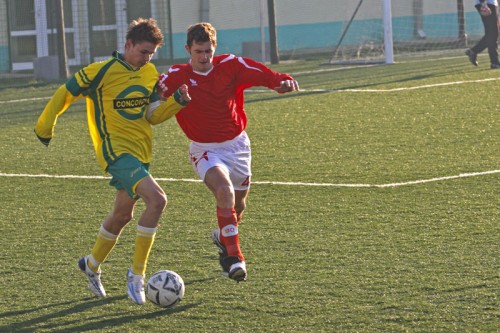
(216, 113)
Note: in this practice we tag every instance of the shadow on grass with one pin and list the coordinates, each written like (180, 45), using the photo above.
(254, 99)
(93, 318)
(286, 96)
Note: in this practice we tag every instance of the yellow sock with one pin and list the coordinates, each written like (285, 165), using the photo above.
(143, 244)
(103, 245)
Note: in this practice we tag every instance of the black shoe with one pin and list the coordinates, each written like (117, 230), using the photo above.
(472, 57)
(495, 66)
(232, 267)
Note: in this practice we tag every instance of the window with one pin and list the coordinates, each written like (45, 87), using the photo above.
(21, 15)
(136, 9)
(102, 12)
(103, 39)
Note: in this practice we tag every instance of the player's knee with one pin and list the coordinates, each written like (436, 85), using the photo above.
(159, 203)
(225, 194)
(121, 218)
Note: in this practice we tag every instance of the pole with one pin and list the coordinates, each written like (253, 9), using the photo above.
(462, 36)
(170, 34)
(61, 38)
(262, 31)
(388, 45)
(273, 39)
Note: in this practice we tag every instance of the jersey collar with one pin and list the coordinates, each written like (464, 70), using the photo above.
(117, 55)
(200, 73)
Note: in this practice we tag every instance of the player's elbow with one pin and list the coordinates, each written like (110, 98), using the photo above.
(150, 112)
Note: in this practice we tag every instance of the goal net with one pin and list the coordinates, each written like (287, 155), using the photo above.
(380, 31)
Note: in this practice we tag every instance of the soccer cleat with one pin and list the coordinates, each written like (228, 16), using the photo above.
(135, 283)
(472, 57)
(221, 248)
(238, 271)
(94, 278)
(216, 240)
(234, 269)
(495, 66)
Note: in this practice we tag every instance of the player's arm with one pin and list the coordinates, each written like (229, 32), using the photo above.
(254, 73)
(159, 111)
(60, 101)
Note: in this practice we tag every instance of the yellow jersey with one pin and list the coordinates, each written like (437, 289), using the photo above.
(117, 100)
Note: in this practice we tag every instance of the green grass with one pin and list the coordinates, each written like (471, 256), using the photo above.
(415, 258)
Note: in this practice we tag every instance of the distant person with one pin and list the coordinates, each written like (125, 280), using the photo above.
(122, 104)
(215, 122)
(488, 10)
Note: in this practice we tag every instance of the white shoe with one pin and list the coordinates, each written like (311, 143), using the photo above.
(216, 241)
(135, 283)
(94, 278)
(238, 271)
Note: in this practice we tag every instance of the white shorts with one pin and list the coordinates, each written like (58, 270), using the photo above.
(234, 156)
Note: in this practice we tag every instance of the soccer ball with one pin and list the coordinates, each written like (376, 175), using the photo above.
(165, 288)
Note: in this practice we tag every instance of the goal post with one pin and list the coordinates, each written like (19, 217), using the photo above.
(388, 44)
(382, 31)
(387, 19)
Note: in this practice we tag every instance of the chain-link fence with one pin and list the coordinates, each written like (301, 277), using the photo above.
(94, 28)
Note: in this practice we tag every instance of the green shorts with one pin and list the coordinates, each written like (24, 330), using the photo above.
(127, 171)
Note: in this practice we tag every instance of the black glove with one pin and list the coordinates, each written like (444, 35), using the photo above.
(45, 141)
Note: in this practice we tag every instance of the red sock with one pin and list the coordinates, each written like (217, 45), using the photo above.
(229, 232)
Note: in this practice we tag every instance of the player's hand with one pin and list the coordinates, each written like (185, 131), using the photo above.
(45, 141)
(181, 95)
(161, 81)
(485, 10)
(287, 86)
(162, 87)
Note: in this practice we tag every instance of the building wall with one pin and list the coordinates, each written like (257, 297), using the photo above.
(301, 25)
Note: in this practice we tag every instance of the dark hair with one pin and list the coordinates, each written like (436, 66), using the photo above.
(144, 30)
(200, 33)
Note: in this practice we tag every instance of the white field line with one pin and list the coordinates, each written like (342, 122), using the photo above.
(25, 100)
(425, 86)
(444, 84)
(412, 182)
